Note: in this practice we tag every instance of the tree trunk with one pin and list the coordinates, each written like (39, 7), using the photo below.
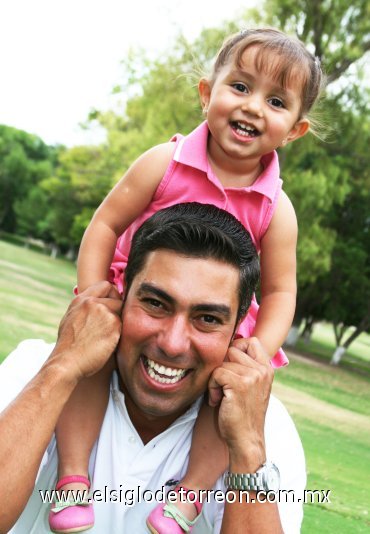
(307, 330)
(337, 355)
(71, 254)
(54, 251)
(341, 349)
(339, 331)
(292, 336)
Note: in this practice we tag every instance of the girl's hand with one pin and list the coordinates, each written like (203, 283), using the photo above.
(245, 380)
(90, 330)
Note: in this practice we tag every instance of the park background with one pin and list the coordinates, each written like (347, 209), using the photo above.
(48, 192)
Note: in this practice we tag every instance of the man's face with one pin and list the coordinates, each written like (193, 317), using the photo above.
(178, 321)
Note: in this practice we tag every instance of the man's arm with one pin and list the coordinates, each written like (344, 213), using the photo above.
(246, 380)
(88, 335)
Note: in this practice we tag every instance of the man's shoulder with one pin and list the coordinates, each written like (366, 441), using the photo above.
(279, 425)
(20, 366)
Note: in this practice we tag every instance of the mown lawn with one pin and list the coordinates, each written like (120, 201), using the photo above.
(35, 291)
(331, 406)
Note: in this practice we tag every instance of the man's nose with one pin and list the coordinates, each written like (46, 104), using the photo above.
(174, 336)
(253, 105)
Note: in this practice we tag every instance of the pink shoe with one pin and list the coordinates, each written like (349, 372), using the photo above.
(72, 515)
(167, 519)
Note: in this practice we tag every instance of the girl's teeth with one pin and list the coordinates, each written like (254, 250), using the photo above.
(244, 129)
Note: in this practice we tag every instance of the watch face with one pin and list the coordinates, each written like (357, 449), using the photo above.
(272, 478)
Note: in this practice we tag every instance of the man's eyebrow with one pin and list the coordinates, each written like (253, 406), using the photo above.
(146, 288)
(220, 309)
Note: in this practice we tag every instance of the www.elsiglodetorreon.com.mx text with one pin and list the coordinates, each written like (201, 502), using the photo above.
(129, 497)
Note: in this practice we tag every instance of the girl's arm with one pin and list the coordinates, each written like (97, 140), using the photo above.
(278, 277)
(119, 209)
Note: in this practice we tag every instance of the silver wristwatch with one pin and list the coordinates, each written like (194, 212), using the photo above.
(266, 478)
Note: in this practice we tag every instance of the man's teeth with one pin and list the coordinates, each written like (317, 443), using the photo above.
(244, 129)
(170, 375)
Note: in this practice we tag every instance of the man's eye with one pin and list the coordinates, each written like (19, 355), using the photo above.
(153, 303)
(210, 319)
(241, 87)
(276, 102)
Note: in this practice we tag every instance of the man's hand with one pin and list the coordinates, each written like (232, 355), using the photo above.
(245, 379)
(88, 334)
(90, 330)
(241, 386)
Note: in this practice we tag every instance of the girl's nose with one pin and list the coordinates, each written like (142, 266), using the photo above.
(252, 105)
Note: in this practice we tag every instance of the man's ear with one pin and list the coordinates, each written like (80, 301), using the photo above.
(235, 334)
(299, 130)
(204, 90)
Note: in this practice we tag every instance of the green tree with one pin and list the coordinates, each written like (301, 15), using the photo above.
(349, 284)
(81, 181)
(25, 160)
(338, 31)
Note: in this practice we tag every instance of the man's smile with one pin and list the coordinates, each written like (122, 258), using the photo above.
(163, 374)
(175, 332)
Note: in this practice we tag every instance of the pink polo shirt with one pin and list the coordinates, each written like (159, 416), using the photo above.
(189, 178)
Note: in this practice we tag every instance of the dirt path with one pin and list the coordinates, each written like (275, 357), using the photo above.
(307, 406)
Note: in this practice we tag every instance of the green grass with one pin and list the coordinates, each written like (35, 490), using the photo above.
(330, 405)
(341, 463)
(337, 450)
(325, 521)
(335, 385)
(35, 291)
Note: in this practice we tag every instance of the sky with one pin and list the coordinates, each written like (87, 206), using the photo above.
(60, 59)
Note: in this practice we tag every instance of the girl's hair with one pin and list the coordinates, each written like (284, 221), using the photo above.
(283, 56)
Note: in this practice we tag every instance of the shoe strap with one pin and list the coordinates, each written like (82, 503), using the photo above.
(198, 505)
(170, 510)
(71, 479)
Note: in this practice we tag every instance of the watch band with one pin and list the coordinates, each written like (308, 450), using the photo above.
(266, 478)
(244, 481)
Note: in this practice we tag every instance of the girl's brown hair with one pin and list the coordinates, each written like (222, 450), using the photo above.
(283, 56)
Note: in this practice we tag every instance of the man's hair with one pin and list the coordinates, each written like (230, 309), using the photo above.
(200, 231)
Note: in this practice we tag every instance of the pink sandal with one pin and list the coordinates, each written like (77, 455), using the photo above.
(72, 514)
(167, 518)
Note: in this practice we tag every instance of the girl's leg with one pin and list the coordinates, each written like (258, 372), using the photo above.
(79, 425)
(207, 461)
(208, 458)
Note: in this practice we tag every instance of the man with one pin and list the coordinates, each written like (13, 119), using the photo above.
(190, 276)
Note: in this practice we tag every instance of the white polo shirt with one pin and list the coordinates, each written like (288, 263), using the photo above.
(130, 477)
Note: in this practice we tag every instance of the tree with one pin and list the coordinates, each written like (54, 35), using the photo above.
(338, 31)
(79, 184)
(25, 160)
(349, 283)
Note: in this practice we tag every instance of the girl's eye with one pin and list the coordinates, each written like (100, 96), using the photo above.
(241, 87)
(276, 102)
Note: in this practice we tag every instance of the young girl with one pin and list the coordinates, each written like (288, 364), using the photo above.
(256, 100)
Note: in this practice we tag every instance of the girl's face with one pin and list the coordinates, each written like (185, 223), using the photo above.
(249, 113)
